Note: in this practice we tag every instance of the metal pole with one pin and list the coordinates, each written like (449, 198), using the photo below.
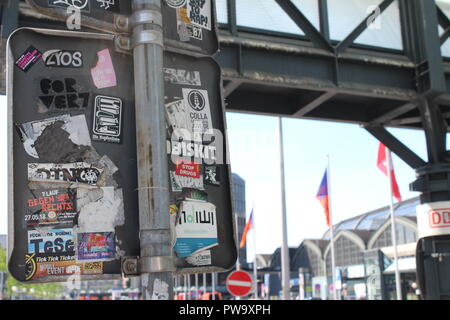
(238, 262)
(156, 261)
(255, 262)
(204, 283)
(333, 258)
(393, 226)
(189, 295)
(213, 286)
(285, 268)
(196, 286)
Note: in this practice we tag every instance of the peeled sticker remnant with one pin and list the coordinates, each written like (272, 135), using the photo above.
(103, 73)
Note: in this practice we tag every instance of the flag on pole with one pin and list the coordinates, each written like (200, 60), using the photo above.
(383, 166)
(323, 197)
(247, 228)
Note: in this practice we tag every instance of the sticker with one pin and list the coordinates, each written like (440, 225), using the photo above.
(160, 290)
(79, 172)
(107, 4)
(51, 246)
(194, 32)
(202, 258)
(192, 149)
(51, 208)
(75, 127)
(64, 94)
(180, 182)
(103, 73)
(36, 270)
(196, 195)
(175, 3)
(28, 59)
(100, 209)
(196, 228)
(182, 77)
(63, 58)
(178, 116)
(173, 209)
(107, 124)
(212, 175)
(199, 110)
(188, 169)
(82, 5)
(199, 12)
(96, 246)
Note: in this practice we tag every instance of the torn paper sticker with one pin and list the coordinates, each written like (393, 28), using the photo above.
(196, 228)
(70, 173)
(76, 127)
(100, 209)
(202, 258)
(180, 182)
(103, 73)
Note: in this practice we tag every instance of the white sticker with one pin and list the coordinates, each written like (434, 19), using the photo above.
(196, 228)
(199, 111)
(182, 77)
(199, 12)
(75, 126)
(433, 219)
(107, 124)
(202, 258)
(180, 182)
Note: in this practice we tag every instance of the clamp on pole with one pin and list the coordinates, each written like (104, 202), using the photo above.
(156, 264)
(146, 36)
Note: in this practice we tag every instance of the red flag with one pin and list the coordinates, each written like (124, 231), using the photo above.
(382, 165)
(247, 228)
(322, 196)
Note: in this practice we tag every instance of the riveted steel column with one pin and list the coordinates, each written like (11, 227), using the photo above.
(155, 263)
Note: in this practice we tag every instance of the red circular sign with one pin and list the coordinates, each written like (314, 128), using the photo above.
(239, 283)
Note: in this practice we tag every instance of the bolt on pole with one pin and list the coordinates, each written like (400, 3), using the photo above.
(156, 260)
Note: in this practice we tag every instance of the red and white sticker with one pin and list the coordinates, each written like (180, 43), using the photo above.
(188, 169)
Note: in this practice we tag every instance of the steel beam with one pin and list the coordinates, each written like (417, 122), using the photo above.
(303, 23)
(344, 44)
(315, 103)
(393, 144)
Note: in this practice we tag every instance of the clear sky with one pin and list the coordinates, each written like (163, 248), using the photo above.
(357, 186)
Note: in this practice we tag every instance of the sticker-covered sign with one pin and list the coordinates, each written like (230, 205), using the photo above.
(80, 172)
(433, 219)
(196, 228)
(51, 208)
(96, 246)
(107, 124)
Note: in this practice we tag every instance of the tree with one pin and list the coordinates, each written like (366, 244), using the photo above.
(40, 291)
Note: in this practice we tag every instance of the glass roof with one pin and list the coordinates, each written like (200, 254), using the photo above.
(373, 220)
(343, 17)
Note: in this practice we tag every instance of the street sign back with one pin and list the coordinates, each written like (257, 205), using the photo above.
(73, 206)
(73, 200)
(188, 25)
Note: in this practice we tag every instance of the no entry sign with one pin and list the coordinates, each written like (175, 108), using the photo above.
(239, 283)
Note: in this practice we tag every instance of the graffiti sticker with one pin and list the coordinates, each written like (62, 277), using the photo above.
(107, 122)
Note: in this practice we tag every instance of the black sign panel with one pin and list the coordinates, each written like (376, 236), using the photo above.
(198, 171)
(73, 204)
(189, 25)
(73, 201)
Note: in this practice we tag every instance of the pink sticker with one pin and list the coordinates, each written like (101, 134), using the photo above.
(103, 73)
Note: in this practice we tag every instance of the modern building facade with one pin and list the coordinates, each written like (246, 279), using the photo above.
(364, 257)
(239, 214)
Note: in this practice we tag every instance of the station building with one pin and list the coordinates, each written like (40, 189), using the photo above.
(364, 259)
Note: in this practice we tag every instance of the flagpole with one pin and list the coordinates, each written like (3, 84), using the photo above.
(333, 260)
(285, 265)
(238, 264)
(255, 264)
(393, 225)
